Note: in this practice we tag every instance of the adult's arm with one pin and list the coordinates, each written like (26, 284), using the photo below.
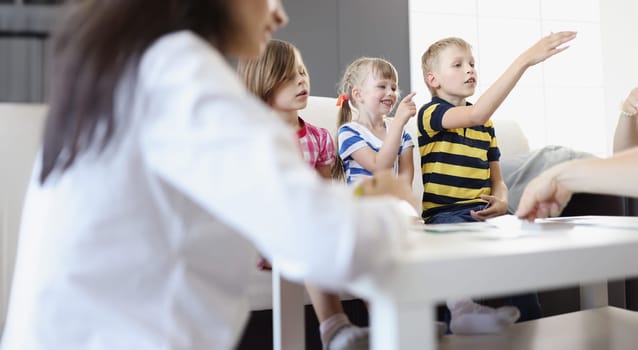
(549, 193)
(626, 135)
(221, 147)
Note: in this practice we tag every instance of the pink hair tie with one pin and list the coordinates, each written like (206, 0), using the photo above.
(341, 98)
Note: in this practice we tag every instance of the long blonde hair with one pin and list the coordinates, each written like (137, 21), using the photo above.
(354, 76)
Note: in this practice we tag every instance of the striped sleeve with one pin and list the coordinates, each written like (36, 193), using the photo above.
(350, 140)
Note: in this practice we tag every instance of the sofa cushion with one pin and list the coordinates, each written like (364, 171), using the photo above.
(518, 170)
(322, 112)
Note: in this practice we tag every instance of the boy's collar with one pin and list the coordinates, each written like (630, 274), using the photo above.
(439, 100)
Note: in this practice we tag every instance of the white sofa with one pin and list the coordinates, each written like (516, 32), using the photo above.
(21, 127)
(322, 111)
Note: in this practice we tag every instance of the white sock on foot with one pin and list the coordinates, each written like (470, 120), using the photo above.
(337, 333)
(441, 327)
(350, 338)
(469, 317)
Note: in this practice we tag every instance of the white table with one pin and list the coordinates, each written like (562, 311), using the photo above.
(436, 267)
(483, 263)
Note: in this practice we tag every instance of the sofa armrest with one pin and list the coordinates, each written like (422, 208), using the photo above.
(511, 138)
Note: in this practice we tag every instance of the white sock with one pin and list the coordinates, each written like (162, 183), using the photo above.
(337, 333)
(469, 317)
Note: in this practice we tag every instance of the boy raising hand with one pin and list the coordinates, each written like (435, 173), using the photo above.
(462, 180)
(459, 153)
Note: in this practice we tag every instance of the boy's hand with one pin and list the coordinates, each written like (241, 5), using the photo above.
(406, 109)
(494, 207)
(547, 47)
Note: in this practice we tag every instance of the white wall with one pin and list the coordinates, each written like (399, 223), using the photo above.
(560, 101)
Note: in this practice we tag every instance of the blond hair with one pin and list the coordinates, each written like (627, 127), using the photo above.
(264, 75)
(430, 57)
(354, 76)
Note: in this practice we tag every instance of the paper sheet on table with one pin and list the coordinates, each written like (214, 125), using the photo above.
(458, 227)
(464, 227)
(501, 227)
(513, 226)
(509, 226)
(616, 222)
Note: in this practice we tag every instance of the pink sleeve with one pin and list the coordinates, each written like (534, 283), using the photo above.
(327, 148)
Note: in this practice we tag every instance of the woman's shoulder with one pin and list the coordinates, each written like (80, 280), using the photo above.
(184, 55)
(183, 41)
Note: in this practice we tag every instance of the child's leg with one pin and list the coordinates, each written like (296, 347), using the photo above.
(469, 317)
(337, 332)
(529, 305)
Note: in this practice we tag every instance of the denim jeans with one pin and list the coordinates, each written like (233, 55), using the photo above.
(461, 214)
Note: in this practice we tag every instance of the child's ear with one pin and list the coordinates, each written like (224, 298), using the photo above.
(356, 94)
(431, 81)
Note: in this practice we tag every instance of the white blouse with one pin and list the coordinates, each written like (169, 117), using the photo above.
(150, 244)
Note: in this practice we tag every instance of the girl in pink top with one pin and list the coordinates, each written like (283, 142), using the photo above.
(279, 77)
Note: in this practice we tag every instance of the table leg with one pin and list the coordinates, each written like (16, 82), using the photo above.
(288, 320)
(593, 295)
(395, 326)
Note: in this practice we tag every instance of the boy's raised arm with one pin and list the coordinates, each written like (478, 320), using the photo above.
(482, 110)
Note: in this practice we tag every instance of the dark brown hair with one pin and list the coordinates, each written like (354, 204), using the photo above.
(94, 42)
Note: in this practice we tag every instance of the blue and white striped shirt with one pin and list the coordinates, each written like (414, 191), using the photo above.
(354, 136)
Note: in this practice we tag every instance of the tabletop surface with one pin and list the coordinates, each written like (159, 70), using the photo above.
(508, 254)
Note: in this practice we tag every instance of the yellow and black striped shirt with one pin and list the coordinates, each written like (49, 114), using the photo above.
(454, 162)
